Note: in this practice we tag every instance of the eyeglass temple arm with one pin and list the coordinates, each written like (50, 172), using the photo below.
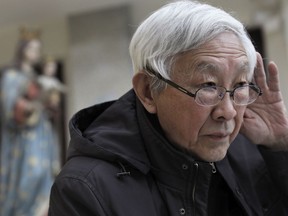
(256, 88)
(151, 71)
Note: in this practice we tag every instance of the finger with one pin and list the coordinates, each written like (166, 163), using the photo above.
(273, 77)
(259, 73)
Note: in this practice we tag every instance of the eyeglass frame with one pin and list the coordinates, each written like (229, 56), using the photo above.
(193, 95)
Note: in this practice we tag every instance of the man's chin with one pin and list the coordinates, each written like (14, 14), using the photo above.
(213, 155)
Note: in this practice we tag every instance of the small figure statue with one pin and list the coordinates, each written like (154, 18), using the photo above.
(28, 145)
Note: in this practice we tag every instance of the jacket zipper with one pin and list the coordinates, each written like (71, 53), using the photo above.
(196, 165)
(213, 167)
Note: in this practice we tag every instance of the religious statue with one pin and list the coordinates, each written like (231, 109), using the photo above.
(29, 151)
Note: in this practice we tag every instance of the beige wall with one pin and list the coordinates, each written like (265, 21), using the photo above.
(56, 38)
(99, 63)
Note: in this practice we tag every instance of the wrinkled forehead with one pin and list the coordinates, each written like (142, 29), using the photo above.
(211, 67)
(218, 55)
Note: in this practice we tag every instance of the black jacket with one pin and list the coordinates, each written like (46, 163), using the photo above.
(120, 164)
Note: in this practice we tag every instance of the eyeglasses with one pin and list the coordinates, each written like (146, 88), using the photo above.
(212, 95)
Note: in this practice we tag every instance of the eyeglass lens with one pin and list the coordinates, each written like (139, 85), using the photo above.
(243, 95)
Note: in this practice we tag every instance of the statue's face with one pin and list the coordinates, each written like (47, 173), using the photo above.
(50, 68)
(32, 52)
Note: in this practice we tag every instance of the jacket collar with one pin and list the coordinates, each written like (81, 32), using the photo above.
(110, 132)
(168, 162)
(123, 131)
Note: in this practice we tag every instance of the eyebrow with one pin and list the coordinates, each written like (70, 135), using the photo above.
(207, 66)
(244, 66)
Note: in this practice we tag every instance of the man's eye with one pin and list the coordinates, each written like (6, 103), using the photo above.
(240, 84)
(208, 84)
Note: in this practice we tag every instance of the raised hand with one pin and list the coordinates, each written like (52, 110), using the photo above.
(266, 120)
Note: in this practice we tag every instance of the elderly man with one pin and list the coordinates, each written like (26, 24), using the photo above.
(203, 132)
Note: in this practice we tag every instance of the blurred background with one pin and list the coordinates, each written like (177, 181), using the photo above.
(90, 39)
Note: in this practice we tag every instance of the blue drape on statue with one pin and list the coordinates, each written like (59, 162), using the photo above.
(28, 154)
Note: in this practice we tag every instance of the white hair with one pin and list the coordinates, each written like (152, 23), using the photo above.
(179, 27)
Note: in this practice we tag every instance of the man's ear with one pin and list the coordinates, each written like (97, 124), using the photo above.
(141, 85)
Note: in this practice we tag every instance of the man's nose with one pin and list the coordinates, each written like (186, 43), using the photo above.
(225, 109)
